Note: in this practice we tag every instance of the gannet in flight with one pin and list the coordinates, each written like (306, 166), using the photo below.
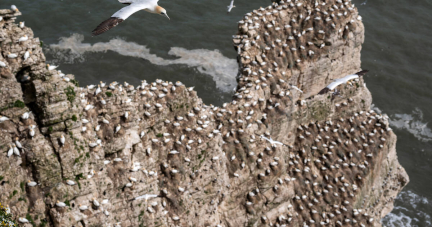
(340, 81)
(146, 197)
(121, 15)
(231, 5)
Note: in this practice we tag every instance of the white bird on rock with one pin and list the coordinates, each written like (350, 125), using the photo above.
(31, 183)
(23, 220)
(12, 56)
(70, 182)
(23, 39)
(2, 64)
(82, 208)
(10, 151)
(51, 67)
(27, 55)
(60, 204)
(117, 129)
(32, 131)
(16, 151)
(95, 202)
(62, 140)
(14, 8)
(18, 144)
(3, 118)
(121, 15)
(22, 24)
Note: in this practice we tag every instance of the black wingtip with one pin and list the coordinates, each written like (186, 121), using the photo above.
(362, 73)
(323, 91)
(106, 25)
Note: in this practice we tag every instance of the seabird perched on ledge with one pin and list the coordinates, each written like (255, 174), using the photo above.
(342, 80)
(121, 15)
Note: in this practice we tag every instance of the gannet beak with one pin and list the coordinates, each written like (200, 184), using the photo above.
(167, 16)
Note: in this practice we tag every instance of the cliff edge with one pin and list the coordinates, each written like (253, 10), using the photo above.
(279, 154)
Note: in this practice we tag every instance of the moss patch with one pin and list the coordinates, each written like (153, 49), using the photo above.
(19, 104)
(70, 93)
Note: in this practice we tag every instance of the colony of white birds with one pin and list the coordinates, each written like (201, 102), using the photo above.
(233, 120)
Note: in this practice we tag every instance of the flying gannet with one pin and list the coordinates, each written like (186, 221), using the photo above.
(121, 15)
(340, 81)
(231, 5)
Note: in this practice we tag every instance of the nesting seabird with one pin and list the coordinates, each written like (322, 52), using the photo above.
(121, 15)
(342, 80)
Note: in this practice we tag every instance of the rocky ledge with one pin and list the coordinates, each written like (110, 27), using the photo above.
(279, 154)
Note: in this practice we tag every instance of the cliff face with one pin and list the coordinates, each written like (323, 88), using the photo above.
(333, 163)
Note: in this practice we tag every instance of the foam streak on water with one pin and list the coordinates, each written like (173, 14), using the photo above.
(410, 213)
(210, 62)
(413, 123)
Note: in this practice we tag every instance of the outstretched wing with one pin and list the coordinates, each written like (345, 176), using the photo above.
(118, 17)
(126, 1)
(106, 25)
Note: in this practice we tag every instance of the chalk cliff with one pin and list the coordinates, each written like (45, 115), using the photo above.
(279, 154)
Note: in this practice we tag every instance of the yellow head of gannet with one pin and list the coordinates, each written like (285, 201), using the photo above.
(161, 11)
(14, 8)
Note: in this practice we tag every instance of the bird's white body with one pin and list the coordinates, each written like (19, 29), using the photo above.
(25, 115)
(231, 5)
(31, 184)
(26, 55)
(89, 107)
(21, 24)
(23, 39)
(70, 182)
(272, 141)
(60, 204)
(10, 151)
(62, 140)
(2, 64)
(3, 118)
(135, 6)
(18, 144)
(12, 56)
(98, 90)
(146, 197)
(298, 89)
(83, 208)
(14, 8)
(16, 151)
(23, 220)
(51, 67)
(342, 80)
(95, 202)
(32, 131)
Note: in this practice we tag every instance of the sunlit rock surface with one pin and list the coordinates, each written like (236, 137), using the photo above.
(278, 154)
